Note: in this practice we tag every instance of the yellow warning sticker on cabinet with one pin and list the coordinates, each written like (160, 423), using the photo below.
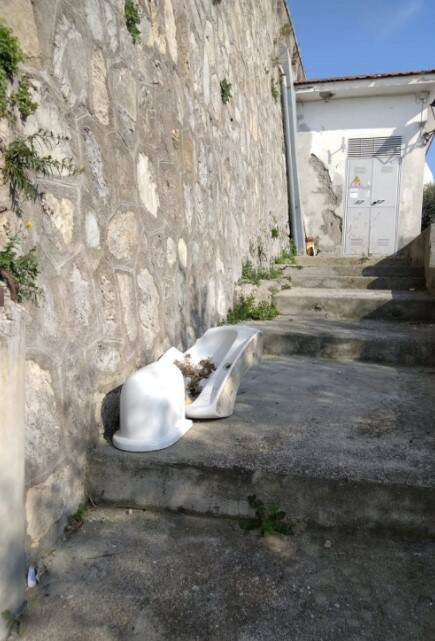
(356, 182)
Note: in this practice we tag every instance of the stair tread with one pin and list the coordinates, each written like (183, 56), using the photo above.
(315, 418)
(363, 329)
(134, 574)
(370, 294)
(340, 281)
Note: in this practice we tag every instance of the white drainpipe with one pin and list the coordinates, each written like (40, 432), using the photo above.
(289, 117)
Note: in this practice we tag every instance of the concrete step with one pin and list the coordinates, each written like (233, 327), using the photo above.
(338, 444)
(355, 270)
(374, 341)
(303, 278)
(323, 260)
(142, 576)
(358, 304)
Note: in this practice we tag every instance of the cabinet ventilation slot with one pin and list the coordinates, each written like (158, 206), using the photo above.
(372, 147)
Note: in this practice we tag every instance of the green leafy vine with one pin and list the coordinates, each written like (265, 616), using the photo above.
(132, 19)
(20, 272)
(25, 159)
(22, 99)
(11, 55)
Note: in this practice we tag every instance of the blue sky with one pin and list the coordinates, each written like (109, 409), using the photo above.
(345, 37)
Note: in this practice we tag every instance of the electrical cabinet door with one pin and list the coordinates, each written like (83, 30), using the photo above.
(383, 214)
(359, 189)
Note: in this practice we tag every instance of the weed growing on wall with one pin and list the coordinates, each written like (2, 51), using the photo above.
(252, 275)
(269, 518)
(22, 99)
(286, 30)
(274, 232)
(25, 158)
(274, 88)
(19, 272)
(11, 55)
(248, 309)
(287, 256)
(226, 91)
(132, 19)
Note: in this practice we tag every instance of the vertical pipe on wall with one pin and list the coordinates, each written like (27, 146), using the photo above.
(289, 117)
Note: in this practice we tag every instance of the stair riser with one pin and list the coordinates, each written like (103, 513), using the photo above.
(345, 349)
(356, 271)
(223, 492)
(350, 308)
(357, 282)
(333, 261)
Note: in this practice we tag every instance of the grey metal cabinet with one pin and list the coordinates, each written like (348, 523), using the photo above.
(372, 197)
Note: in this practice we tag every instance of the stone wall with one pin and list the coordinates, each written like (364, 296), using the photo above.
(141, 250)
(421, 253)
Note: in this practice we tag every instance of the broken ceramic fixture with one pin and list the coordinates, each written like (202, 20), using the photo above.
(153, 407)
(232, 349)
(153, 410)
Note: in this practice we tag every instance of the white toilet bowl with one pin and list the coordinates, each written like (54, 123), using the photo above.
(153, 407)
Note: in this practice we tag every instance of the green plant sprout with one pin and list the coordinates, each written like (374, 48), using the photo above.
(13, 622)
(269, 518)
(275, 89)
(76, 520)
(226, 91)
(248, 309)
(287, 256)
(11, 55)
(132, 19)
(22, 99)
(20, 272)
(252, 275)
(23, 161)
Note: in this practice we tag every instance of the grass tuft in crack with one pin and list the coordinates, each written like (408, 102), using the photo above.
(269, 518)
(248, 309)
(252, 275)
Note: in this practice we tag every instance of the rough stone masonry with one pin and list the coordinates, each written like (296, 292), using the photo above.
(142, 250)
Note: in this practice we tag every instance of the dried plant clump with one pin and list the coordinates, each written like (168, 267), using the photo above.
(194, 375)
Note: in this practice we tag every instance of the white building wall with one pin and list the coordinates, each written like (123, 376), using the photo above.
(323, 131)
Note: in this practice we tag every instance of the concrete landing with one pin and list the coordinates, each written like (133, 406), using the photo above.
(348, 444)
(151, 577)
(358, 304)
(374, 341)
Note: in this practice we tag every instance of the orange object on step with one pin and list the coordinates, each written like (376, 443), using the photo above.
(309, 245)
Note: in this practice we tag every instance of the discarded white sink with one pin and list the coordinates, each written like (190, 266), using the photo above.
(153, 403)
(153, 407)
(233, 349)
